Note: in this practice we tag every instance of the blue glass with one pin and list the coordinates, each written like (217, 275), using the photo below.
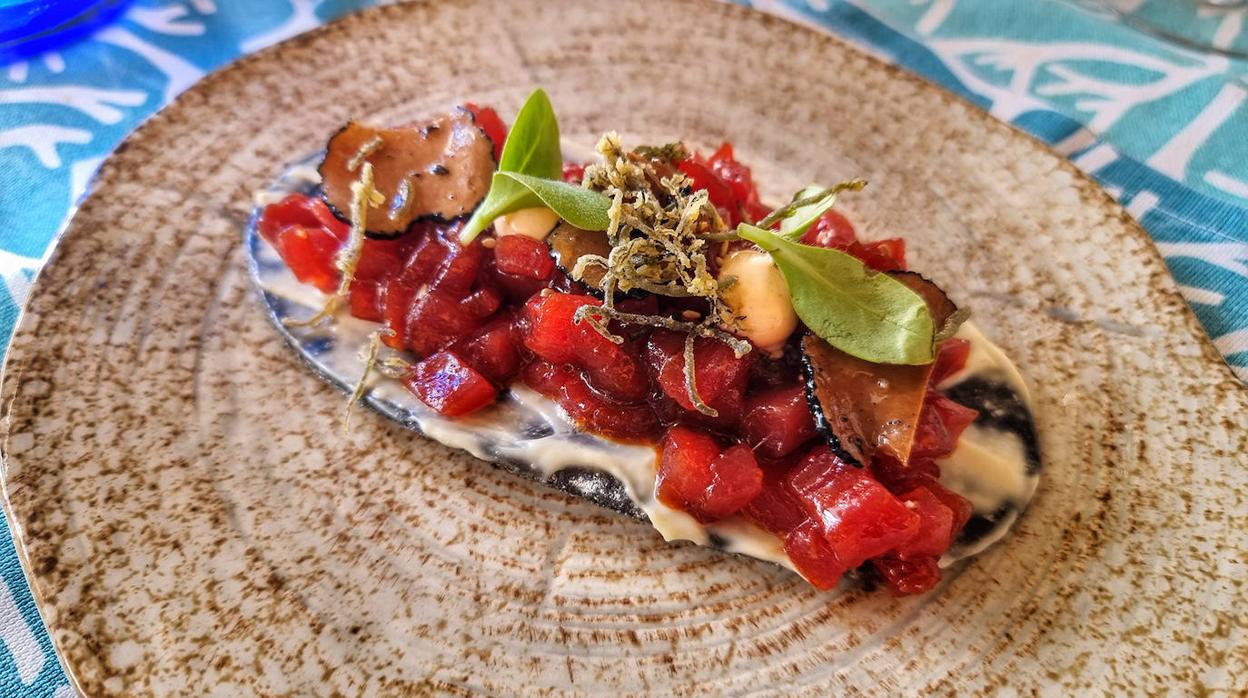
(31, 26)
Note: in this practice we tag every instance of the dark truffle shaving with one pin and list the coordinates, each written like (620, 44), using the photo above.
(846, 450)
(863, 407)
(449, 147)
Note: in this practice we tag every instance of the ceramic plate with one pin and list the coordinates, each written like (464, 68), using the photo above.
(193, 518)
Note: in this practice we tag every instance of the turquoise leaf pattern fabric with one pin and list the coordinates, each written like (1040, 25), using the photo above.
(1164, 129)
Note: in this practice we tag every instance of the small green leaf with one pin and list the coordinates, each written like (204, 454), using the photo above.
(806, 207)
(585, 209)
(796, 225)
(503, 198)
(863, 313)
(532, 148)
(532, 145)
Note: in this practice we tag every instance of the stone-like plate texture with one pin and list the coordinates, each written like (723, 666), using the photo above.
(195, 521)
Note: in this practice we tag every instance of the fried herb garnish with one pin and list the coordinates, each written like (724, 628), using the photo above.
(655, 247)
(391, 367)
(691, 380)
(807, 206)
(668, 152)
(599, 316)
(363, 195)
(370, 361)
(370, 146)
(661, 242)
(952, 324)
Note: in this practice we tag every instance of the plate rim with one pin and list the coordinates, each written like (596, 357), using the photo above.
(1091, 195)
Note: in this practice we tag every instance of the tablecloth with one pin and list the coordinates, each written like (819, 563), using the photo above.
(1164, 129)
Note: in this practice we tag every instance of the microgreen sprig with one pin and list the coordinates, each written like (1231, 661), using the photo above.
(528, 175)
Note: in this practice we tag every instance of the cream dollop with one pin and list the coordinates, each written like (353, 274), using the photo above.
(533, 223)
(760, 298)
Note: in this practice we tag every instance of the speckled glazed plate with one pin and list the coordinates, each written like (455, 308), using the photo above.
(194, 520)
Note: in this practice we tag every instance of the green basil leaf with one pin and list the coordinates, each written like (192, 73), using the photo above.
(863, 313)
(585, 209)
(532, 148)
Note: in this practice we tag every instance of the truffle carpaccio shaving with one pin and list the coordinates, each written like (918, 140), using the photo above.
(438, 167)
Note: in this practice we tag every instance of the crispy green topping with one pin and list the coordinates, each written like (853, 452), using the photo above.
(363, 195)
(952, 324)
(656, 236)
(659, 244)
(668, 152)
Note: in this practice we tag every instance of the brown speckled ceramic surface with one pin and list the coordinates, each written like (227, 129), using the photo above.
(194, 520)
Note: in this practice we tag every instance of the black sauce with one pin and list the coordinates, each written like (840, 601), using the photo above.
(1002, 409)
(596, 486)
(981, 525)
